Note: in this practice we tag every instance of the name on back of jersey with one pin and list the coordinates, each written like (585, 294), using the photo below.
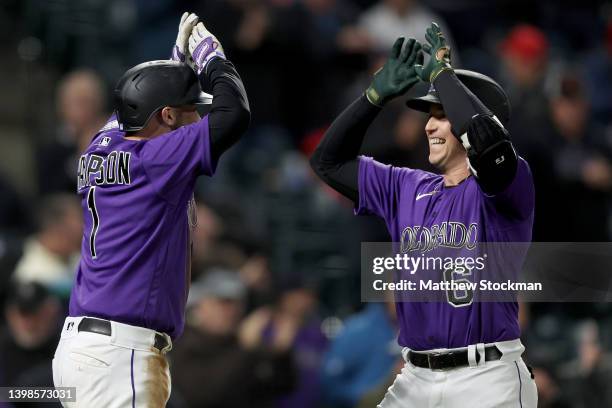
(113, 168)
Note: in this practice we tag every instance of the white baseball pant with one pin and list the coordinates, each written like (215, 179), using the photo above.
(503, 383)
(123, 370)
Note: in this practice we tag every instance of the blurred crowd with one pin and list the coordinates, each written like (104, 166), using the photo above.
(274, 313)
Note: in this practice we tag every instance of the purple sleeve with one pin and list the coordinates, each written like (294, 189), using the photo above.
(176, 158)
(380, 186)
(519, 198)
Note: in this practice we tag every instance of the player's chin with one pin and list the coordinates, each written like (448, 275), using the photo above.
(436, 157)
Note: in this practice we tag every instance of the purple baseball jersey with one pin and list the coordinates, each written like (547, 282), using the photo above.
(416, 205)
(137, 199)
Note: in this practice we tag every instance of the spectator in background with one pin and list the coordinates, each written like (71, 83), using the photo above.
(208, 229)
(51, 255)
(362, 357)
(524, 66)
(587, 379)
(581, 161)
(598, 71)
(524, 57)
(524, 54)
(256, 275)
(389, 19)
(294, 320)
(549, 393)
(80, 104)
(33, 318)
(220, 362)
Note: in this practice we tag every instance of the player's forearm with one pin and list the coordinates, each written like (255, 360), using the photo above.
(230, 114)
(335, 159)
(460, 105)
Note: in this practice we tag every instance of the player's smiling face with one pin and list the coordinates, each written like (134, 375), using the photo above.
(445, 151)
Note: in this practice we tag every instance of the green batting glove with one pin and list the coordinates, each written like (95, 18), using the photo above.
(398, 74)
(440, 55)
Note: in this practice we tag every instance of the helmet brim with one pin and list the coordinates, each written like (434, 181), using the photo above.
(204, 99)
(490, 93)
(423, 103)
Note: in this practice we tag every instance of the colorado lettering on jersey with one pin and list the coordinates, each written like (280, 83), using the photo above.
(112, 169)
(447, 234)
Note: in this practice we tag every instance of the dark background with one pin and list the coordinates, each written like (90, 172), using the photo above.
(264, 217)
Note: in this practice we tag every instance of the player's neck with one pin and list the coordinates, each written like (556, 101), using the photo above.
(456, 174)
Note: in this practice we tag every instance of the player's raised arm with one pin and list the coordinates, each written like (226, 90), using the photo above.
(335, 159)
(230, 113)
(491, 156)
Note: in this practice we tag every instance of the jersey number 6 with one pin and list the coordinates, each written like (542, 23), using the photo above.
(459, 297)
(91, 204)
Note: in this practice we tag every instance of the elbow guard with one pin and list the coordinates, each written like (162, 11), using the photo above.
(491, 156)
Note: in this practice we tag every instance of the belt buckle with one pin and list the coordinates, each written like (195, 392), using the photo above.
(437, 354)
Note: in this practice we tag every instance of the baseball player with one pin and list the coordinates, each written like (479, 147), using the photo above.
(136, 181)
(458, 353)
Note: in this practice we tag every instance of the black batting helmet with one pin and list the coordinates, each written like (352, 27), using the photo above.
(148, 87)
(490, 93)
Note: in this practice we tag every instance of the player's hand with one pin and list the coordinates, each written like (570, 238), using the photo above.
(203, 47)
(180, 51)
(398, 74)
(440, 55)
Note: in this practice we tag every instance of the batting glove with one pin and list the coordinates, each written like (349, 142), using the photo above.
(439, 51)
(398, 74)
(180, 51)
(204, 46)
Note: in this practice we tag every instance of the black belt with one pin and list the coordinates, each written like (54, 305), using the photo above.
(451, 359)
(103, 327)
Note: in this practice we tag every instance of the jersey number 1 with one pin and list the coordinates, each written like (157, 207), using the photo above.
(91, 204)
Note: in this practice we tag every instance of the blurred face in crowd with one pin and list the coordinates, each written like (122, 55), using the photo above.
(61, 224)
(445, 150)
(255, 273)
(32, 329)
(399, 6)
(547, 388)
(218, 316)
(570, 116)
(81, 100)
(525, 72)
(68, 231)
(208, 228)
